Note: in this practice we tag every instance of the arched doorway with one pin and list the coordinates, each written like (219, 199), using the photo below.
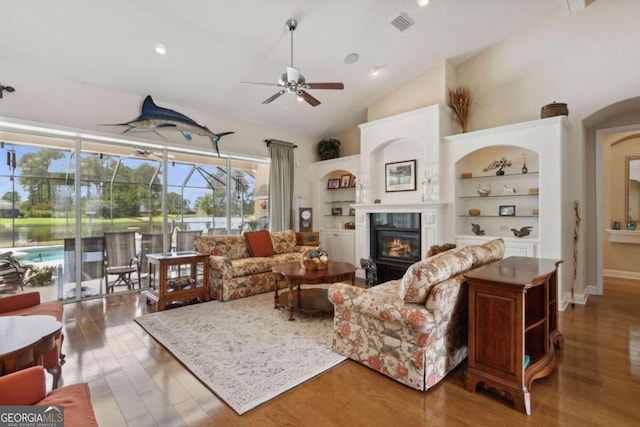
(603, 125)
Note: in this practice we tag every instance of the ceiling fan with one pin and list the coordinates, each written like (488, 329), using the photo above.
(143, 152)
(294, 82)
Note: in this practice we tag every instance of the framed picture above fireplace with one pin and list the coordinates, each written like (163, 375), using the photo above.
(400, 176)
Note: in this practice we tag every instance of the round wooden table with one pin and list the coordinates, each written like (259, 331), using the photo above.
(24, 340)
(308, 300)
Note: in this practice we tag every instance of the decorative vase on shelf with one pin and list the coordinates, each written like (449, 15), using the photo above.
(524, 168)
(429, 182)
(361, 196)
(499, 165)
(484, 189)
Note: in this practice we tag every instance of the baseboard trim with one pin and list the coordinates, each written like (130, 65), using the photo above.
(581, 298)
(621, 274)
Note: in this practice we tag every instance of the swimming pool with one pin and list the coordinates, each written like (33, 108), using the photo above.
(39, 254)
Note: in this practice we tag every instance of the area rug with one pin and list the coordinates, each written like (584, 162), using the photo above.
(245, 351)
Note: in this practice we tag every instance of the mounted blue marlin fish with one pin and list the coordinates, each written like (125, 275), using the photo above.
(154, 118)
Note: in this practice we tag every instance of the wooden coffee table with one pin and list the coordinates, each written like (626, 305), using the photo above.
(308, 300)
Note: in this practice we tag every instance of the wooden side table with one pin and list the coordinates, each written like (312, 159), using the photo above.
(177, 276)
(513, 326)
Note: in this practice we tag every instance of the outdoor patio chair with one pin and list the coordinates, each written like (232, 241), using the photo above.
(151, 244)
(92, 264)
(11, 273)
(121, 259)
(186, 239)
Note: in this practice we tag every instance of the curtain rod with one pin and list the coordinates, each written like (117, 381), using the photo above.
(268, 142)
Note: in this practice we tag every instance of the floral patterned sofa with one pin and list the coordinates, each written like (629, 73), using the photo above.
(234, 273)
(413, 330)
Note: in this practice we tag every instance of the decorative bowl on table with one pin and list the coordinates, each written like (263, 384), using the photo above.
(314, 259)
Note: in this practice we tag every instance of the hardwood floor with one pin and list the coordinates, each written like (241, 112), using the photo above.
(134, 381)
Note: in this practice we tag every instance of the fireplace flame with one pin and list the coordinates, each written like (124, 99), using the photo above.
(399, 248)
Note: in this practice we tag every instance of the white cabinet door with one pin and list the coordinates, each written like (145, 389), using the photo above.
(339, 244)
(512, 246)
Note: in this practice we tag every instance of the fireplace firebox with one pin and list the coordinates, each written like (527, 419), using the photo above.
(395, 243)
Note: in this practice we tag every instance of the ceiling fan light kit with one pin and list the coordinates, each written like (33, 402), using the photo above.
(294, 82)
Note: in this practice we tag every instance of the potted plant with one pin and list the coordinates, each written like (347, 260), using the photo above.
(328, 148)
(498, 164)
(39, 276)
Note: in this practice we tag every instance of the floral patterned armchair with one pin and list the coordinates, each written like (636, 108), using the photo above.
(413, 330)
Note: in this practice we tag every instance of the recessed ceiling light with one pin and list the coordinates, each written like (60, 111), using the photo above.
(351, 58)
(161, 48)
(375, 70)
(423, 3)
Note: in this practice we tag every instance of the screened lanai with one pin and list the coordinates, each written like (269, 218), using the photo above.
(64, 192)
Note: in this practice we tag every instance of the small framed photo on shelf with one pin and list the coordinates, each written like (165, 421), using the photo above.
(333, 183)
(345, 181)
(400, 176)
(507, 210)
(336, 211)
(353, 181)
(352, 211)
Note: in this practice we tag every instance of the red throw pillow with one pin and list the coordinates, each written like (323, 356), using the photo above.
(259, 243)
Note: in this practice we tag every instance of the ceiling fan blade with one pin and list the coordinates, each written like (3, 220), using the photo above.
(310, 99)
(324, 86)
(293, 74)
(274, 96)
(259, 83)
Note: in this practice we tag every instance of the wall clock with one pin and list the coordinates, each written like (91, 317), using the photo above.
(305, 217)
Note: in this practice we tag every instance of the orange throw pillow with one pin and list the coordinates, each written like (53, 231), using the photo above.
(259, 243)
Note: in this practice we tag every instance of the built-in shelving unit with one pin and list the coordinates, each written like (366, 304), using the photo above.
(527, 197)
(334, 199)
(507, 204)
(334, 237)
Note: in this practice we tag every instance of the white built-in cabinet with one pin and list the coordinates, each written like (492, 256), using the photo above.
(332, 206)
(494, 205)
(533, 194)
(339, 244)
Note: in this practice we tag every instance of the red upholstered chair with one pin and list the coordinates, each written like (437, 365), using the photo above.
(29, 303)
(28, 387)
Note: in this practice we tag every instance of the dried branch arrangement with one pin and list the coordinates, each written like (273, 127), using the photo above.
(460, 103)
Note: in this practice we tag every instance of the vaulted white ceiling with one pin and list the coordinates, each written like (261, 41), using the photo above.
(215, 44)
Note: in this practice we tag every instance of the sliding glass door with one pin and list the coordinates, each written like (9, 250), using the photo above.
(54, 211)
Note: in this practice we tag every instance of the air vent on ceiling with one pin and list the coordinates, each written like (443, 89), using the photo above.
(402, 22)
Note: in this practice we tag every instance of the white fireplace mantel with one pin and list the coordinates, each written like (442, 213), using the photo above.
(431, 222)
(397, 207)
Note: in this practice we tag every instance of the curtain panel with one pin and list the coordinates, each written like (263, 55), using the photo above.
(280, 184)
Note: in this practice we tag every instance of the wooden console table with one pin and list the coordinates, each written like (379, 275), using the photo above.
(513, 326)
(177, 276)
